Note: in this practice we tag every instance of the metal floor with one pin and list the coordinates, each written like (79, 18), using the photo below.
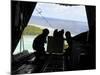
(56, 63)
(50, 63)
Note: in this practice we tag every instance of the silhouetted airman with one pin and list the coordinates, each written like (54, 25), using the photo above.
(40, 40)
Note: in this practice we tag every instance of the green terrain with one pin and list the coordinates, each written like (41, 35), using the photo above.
(32, 30)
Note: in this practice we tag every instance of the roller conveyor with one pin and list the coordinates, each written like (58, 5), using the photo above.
(49, 63)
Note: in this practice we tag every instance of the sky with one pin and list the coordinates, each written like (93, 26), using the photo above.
(76, 13)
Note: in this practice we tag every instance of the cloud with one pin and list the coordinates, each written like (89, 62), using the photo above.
(76, 13)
